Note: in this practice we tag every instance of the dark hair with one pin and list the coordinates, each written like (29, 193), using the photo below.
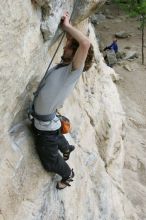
(89, 58)
(90, 55)
(74, 45)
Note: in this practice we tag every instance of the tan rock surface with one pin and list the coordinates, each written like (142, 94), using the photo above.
(27, 191)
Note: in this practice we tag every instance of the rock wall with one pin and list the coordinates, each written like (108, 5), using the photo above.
(27, 191)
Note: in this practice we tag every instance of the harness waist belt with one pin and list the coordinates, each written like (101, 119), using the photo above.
(37, 131)
(49, 117)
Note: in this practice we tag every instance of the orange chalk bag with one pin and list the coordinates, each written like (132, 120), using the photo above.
(65, 124)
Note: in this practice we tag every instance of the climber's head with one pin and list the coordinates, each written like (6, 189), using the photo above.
(70, 49)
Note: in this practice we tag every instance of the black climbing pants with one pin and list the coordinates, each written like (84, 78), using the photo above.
(47, 145)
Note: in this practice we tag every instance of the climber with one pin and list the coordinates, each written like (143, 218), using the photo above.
(56, 85)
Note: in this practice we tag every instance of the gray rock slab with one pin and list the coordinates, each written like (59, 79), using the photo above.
(122, 34)
(131, 55)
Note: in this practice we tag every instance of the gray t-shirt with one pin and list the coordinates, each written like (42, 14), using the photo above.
(58, 85)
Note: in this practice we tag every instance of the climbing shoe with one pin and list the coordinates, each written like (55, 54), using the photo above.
(64, 183)
(67, 153)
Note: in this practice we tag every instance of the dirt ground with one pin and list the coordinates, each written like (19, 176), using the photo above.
(132, 83)
(132, 93)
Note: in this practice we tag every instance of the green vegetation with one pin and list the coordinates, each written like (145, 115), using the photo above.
(135, 8)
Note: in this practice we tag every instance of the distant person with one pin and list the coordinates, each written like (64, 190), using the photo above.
(111, 51)
(113, 46)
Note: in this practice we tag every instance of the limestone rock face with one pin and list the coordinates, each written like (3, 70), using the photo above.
(27, 191)
(53, 10)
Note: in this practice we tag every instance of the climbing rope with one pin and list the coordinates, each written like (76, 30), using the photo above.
(63, 34)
